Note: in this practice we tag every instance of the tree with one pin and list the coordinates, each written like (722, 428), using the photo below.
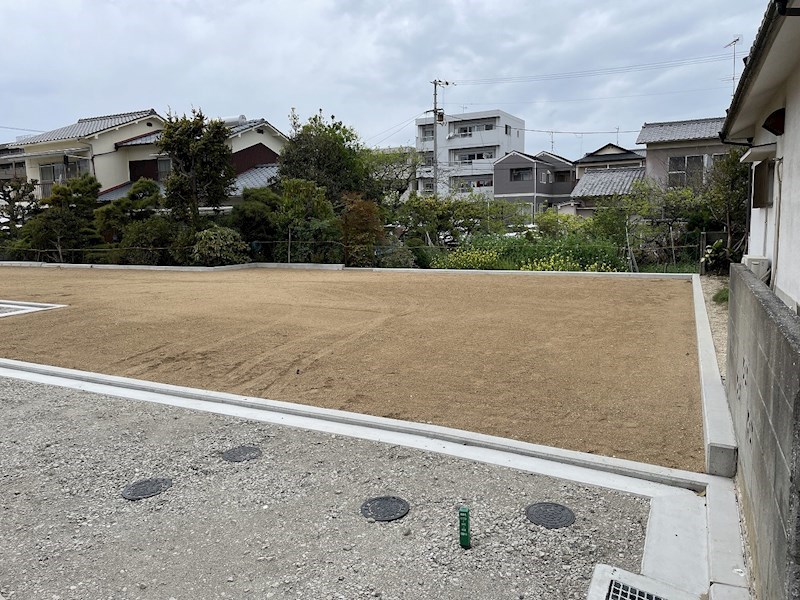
(726, 196)
(67, 222)
(17, 203)
(202, 173)
(388, 172)
(307, 221)
(362, 230)
(325, 152)
(138, 205)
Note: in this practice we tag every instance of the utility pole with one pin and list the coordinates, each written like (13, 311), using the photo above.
(437, 83)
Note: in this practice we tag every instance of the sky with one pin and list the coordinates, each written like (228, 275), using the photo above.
(371, 63)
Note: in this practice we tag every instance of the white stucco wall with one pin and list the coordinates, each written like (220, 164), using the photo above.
(787, 275)
(252, 137)
(786, 198)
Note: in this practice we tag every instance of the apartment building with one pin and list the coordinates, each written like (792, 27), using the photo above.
(466, 147)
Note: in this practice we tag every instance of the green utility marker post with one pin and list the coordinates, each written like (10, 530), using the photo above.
(463, 528)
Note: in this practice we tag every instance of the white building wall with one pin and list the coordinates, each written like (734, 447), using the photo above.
(450, 143)
(775, 230)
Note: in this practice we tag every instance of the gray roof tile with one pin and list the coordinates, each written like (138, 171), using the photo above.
(153, 138)
(676, 131)
(257, 177)
(607, 182)
(88, 126)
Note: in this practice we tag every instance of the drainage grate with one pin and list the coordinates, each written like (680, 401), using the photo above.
(611, 583)
(621, 591)
(241, 454)
(550, 515)
(146, 488)
(385, 508)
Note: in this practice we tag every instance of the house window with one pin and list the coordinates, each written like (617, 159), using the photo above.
(524, 174)
(508, 129)
(427, 185)
(763, 183)
(60, 171)
(426, 133)
(562, 177)
(685, 171)
(546, 177)
(465, 131)
(466, 158)
(164, 168)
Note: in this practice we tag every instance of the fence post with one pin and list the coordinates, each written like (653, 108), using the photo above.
(702, 252)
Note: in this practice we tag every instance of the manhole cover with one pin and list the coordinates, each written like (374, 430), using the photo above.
(385, 508)
(241, 454)
(550, 515)
(145, 488)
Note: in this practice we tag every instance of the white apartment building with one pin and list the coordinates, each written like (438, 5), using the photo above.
(467, 145)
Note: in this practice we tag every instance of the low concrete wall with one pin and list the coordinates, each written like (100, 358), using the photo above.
(763, 390)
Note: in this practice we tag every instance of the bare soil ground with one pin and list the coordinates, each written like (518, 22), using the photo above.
(599, 365)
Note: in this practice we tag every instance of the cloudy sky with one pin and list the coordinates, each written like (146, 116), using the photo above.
(370, 63)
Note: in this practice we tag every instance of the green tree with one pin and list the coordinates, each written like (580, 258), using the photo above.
(138, 205)
(147, 241)
(66, 224)
(218, 246)
(202, 173)
(307, 222)
(726, 197)
(17, 204)
(326, 152)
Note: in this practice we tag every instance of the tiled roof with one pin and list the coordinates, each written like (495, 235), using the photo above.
(257, 177)
(141, 140)
(153, 138)
(88, 126)
(675, 131)
(607, 182)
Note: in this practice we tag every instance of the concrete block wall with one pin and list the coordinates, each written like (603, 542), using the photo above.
(763, 390)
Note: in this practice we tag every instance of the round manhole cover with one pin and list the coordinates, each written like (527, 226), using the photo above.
(550, 515)
(241, 454)
(145, 488)
(385, 508)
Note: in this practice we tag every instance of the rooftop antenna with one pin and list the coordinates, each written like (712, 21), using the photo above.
(732, 44)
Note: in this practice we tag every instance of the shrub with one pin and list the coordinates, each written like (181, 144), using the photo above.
(397, 257)
(219, 246)
(147, 242)
(721, 296)
(467, 258)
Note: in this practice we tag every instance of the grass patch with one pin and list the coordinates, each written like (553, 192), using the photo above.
(721, 296)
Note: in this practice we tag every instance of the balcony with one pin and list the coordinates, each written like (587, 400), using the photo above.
(9, 172)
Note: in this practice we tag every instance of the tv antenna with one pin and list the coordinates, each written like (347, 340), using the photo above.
(732, 44)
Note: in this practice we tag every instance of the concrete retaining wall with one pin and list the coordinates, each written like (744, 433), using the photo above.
(763, 390)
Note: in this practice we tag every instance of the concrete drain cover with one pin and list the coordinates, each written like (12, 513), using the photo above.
(550, 515)
(145, 488)
(241, 454)
(385, 508)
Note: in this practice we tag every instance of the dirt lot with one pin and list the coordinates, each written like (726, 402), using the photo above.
(600, 365)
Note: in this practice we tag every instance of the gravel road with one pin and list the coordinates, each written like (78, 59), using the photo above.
(285, 525)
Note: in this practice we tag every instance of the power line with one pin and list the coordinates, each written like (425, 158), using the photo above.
(21, 129)
(578, 132)
(599, 72)
(462, 103)
(393, 127)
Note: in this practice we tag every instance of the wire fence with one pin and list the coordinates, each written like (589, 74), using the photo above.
(681, 252)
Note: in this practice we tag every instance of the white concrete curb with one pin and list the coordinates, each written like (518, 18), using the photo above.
(719, 438)
(685, 540)
(239, 267)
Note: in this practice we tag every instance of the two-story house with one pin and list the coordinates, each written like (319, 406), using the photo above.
(11, 165)
(542, 180)
(680, 153)
(610, 156)
(121, 148)
(460, 150)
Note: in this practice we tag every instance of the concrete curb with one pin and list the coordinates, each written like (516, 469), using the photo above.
(719, 438)
(239, 267)
(656, 474)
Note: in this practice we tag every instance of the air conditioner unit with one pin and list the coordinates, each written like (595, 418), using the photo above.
(759, 265)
